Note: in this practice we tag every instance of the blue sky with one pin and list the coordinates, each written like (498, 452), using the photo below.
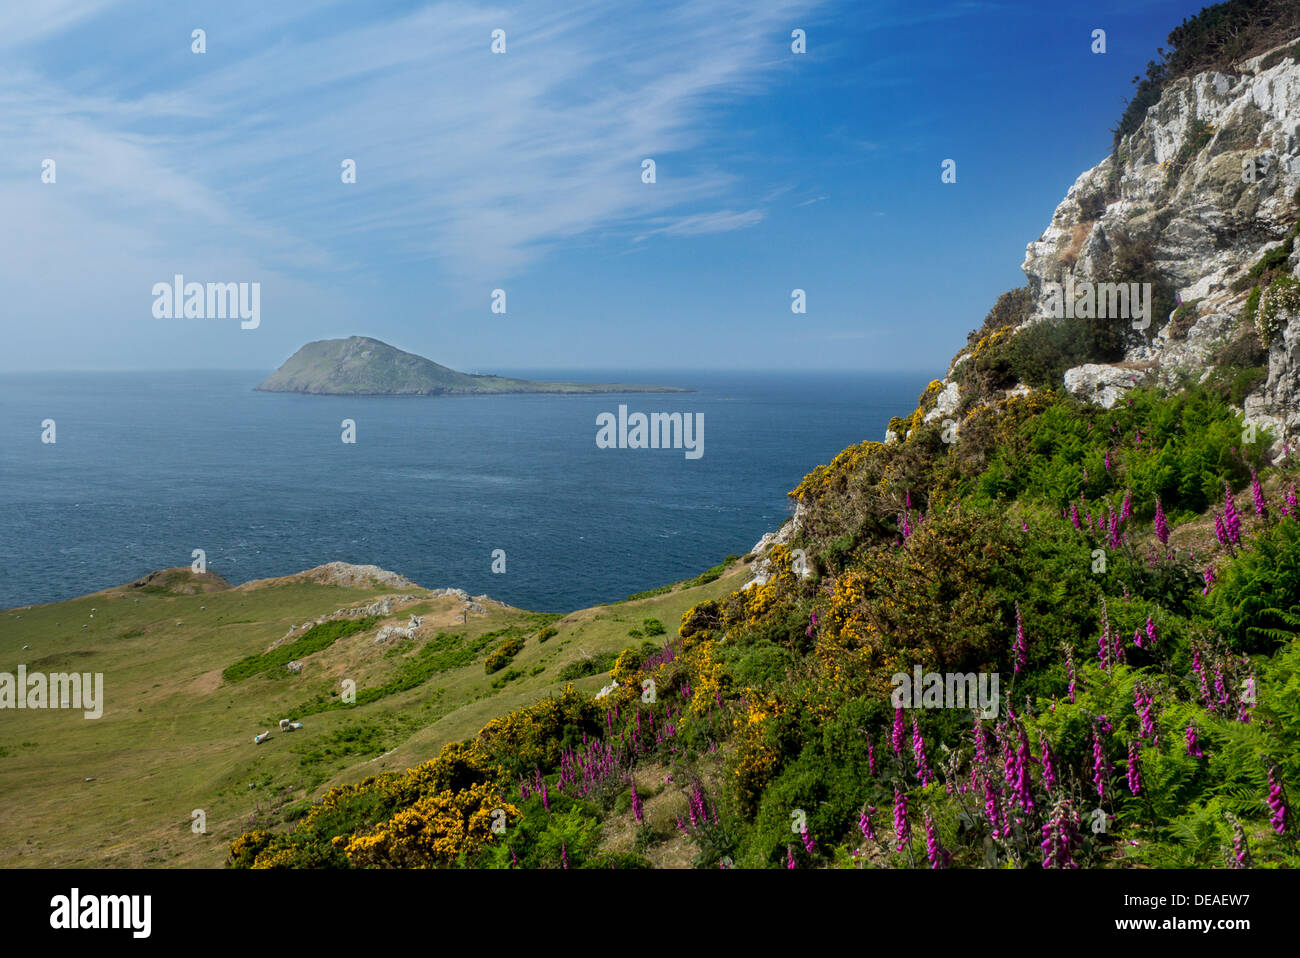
(522, 171)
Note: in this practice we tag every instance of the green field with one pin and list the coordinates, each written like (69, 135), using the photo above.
(177, 736)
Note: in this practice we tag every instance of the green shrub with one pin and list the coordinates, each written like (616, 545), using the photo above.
(1040, 354)
(588, 665)
(1183, 319)
(1281, 297)
(509, 676)
(445, 651)
(1257, 600)
(315, 639)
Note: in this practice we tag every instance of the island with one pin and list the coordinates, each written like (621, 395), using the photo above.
(362, 366)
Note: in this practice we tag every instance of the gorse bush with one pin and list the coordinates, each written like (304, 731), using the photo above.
(503, 654)
(1011, 309)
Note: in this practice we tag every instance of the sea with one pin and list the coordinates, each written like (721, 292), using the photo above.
(147, 467)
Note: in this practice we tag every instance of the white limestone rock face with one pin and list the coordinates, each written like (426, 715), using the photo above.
(761, 569)
(1099, 383)
(945, 404)
(1277, 404)
(1206, 221)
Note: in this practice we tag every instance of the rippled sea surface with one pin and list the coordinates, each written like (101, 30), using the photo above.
(150, 466)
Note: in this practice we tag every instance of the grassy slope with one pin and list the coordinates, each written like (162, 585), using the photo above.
(175, 736)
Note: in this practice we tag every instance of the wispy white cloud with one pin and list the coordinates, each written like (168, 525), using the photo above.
(702, 224)
(478, 162)
(26, 23)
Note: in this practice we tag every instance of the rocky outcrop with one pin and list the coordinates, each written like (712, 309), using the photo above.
(181, 580)
(1190, 201)
(343, 574)
(1100, 383)
(394, 632)
(1277, 405)
(761, 569)
(945, 404)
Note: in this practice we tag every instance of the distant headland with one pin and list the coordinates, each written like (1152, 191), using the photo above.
(361, 366)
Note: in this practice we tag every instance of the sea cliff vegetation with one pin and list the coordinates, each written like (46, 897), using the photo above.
(1131, 574)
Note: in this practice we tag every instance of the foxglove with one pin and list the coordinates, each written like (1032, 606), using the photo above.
(1100, 767)
(1049, 766)
(1261, 507)
(1276, 803)
(864, 823)
(1162, 524)
(1231, 520)
(938, 856)
(1019, 647)
(1060, 837)
(918, 754)
(902, 828)
(1134, 775)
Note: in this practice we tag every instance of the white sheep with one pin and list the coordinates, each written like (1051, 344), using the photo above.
(259, 739)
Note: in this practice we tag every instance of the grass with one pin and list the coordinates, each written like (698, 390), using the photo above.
(177, 736)
(315, 639)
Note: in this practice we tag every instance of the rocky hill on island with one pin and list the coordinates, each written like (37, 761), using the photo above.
(361, 366)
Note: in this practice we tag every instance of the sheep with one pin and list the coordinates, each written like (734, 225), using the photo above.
(259, 739)
(284, 724)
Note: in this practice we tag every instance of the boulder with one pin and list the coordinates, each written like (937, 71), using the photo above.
(1100, 383)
